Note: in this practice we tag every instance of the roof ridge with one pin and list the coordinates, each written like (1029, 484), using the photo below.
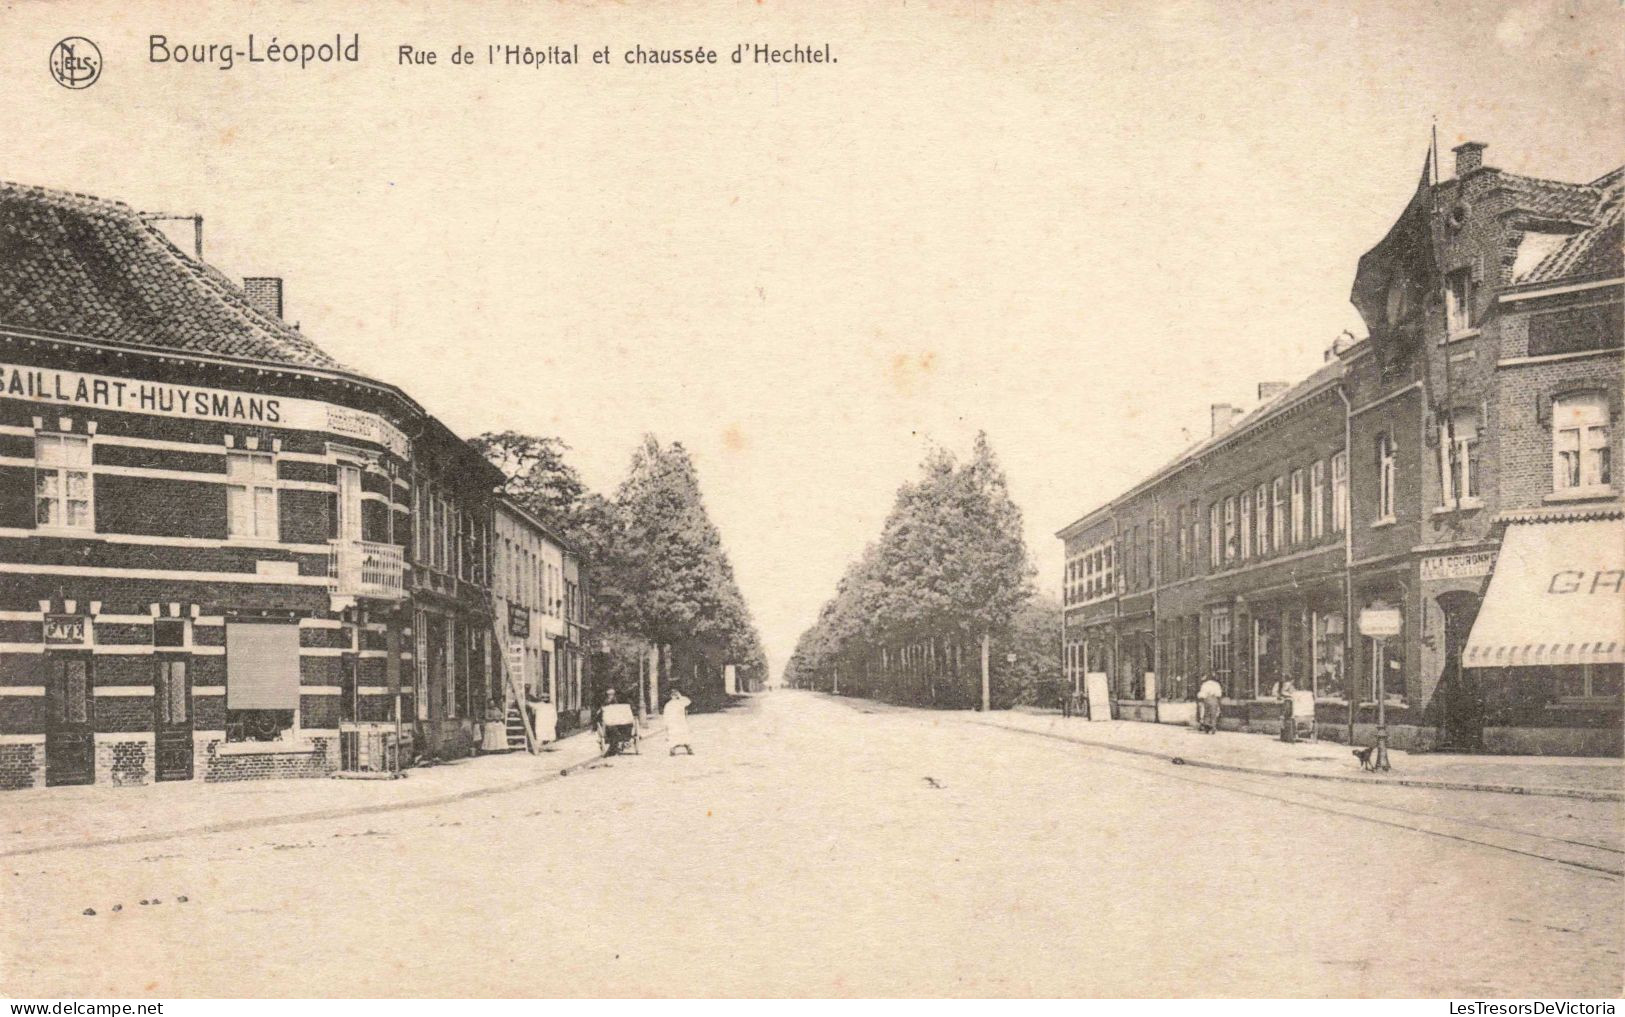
(118, 276)
(63, 194)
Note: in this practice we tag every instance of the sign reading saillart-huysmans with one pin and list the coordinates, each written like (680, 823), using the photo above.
(129, 395)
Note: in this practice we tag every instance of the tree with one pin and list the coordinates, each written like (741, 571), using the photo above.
(539, 479)
(950, 568)
(680, 589)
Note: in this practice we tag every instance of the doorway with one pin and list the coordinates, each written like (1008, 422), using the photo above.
(70, 742)
(172, 727)
(1459, 694)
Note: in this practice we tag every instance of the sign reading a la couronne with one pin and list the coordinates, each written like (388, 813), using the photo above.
(165, 399)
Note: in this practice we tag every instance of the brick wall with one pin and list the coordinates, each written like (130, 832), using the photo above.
(321, 760)
(22, 766)
(124, 762)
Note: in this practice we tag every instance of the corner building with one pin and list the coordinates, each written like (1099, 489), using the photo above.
(1457, 464)
(222, 555)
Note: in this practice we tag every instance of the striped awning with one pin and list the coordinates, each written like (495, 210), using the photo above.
(1557, 597)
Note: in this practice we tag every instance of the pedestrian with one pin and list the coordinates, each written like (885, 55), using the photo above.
(675, 714)
(1207, 704)
(1066, 701)
(543, 717)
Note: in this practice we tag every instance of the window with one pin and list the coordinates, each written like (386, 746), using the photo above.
(1196, 535)
(1278, 514)
(1133, 558)
(1386, 478)
(1246, 526)
(1261, 498)
(1182, 553)
(1340, 492)
(1317, 500)
(1218, 646)
(62, 488)
(1458, 458)
(1300, 518)
(1588, 681)
(251, 495)
(1213, 541)
(348, 515)
(1580, 452)
(1231, 551)
(1327, 636)
(1458, 298)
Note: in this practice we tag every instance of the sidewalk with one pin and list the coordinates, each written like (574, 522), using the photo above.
(1564, 776)
(66, 818)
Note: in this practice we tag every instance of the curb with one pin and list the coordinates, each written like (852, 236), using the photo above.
(340, 812)
(1585, 794)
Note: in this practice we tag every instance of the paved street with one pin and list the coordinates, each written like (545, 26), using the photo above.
(815, 847)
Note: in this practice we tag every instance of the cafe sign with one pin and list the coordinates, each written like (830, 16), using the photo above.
(1458, 566)
(64, 630)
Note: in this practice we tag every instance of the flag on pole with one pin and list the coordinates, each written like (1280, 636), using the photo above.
(1395, 278)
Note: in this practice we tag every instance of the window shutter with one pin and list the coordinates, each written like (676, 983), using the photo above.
(262, 666)
(1543, 409)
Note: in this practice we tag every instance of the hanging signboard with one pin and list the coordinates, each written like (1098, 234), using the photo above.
(518, 621)
(1381, 622)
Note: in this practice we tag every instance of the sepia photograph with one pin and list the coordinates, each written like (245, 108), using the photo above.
(770, 500)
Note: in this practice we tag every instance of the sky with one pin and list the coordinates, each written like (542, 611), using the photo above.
(1072, 226)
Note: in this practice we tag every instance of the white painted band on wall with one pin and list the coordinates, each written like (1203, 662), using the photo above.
(91, 571)
(103, 691)
(22, 690)
(22, 739)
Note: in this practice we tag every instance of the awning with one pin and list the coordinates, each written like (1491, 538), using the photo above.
(1557, 597)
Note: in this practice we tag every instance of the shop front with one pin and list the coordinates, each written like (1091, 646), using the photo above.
(1546, 649)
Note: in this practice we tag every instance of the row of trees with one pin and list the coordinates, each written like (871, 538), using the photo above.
(930, 613)
(657, 572)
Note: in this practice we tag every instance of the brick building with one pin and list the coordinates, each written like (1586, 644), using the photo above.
(1482, 411)
(224, 555)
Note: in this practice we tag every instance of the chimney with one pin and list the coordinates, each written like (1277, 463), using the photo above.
(1268, 390)
(1469, 158)
(1223, 416)
(265, 293)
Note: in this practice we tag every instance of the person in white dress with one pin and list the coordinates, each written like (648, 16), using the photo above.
(545, 717)
(675, 714)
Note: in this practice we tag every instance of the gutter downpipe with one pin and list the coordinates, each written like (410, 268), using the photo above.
(1348, 549)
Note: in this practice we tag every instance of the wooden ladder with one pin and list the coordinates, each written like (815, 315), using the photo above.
(516, 692)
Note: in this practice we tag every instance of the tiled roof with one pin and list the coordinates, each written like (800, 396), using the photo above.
(89, 267)
(1553, 198)
(1595, 251)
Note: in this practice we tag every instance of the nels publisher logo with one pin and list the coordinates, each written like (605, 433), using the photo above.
(76, 62)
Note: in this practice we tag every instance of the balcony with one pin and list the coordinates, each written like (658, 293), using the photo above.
(366, 568)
